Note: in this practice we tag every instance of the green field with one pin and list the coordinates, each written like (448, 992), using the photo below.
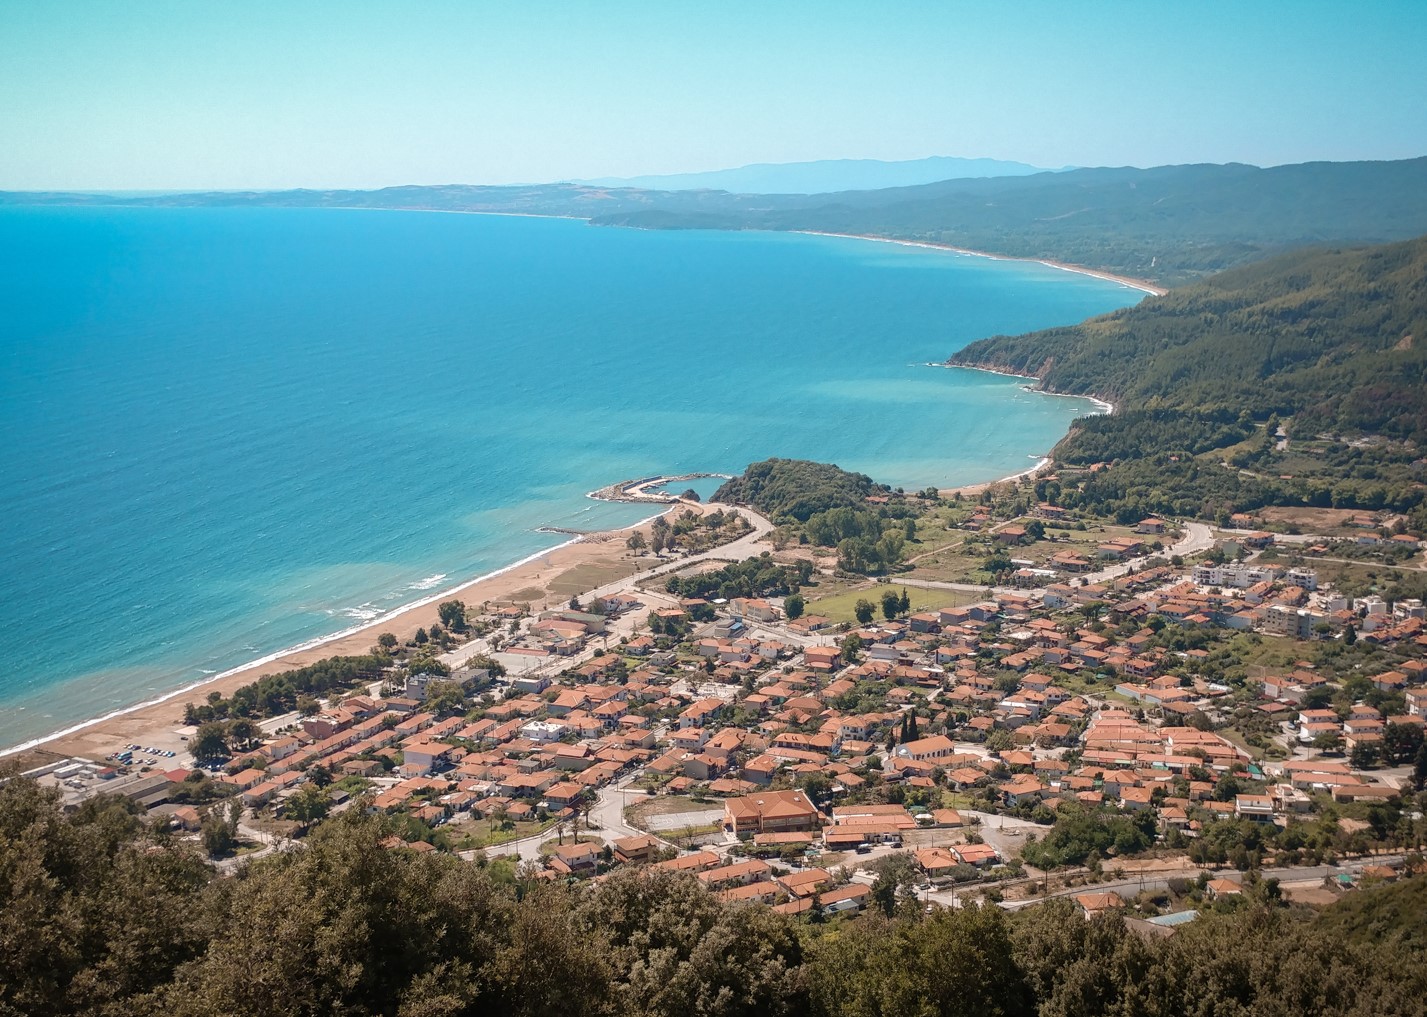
(840, 606)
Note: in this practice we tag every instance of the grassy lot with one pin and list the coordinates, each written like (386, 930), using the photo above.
(840, 607)
(588, 576)
(480, 833)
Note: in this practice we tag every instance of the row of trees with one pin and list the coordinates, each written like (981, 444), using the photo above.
(280, 693)
(752, 577)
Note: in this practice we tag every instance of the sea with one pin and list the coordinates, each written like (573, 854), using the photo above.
(229, 431)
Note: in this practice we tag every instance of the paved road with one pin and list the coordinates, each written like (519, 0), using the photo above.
(748, 545)
(607, 818)
(1160, 880)
(1197, 537)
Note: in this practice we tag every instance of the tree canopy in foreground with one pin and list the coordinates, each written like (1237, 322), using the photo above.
(102, 915)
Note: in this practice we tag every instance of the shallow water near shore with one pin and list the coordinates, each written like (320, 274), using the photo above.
(229, 431)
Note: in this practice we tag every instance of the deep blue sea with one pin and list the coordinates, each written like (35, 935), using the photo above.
(228, 431)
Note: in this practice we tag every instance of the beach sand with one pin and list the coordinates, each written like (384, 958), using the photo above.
(1123, 280)
(545, 580)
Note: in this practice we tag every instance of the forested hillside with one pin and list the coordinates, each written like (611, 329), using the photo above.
(1336, 338)
(784, 489)
(1167, 223)
(102, 916)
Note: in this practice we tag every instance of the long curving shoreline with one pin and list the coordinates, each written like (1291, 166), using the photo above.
(535, 570)
(1094, 273)
(145, 722)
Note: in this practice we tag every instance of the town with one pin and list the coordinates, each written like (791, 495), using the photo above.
(1151, 718)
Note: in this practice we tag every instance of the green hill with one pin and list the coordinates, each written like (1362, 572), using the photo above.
(1335, 338)
(785, 489)
(1169, 223)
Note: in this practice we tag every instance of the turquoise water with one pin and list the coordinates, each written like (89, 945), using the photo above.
(228, 431)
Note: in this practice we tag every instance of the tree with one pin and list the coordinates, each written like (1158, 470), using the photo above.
(793, 605)
(851, 648)
(636, 541)
(1419, 768)
(1363, 756)
(453, 615)
(1401, 743)
(387, 641)
(445, 698)
(863, 610)
(209, 744)
(891, 604)
(309, 804)
(319, 774)
(243, 732)
(905, 603)
(420, 637)
(308, 706)
(219, 832)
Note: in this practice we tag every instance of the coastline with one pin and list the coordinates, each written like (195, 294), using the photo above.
(1105, 406)
(1095, 273)
(148, 721)
(154, 720)
(1143, 285)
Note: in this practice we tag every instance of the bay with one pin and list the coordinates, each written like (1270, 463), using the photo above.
(227, 431)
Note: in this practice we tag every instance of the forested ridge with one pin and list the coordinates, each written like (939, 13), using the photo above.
(1166, 223)
(1336, 338)
(102, 915)
(1321, 348)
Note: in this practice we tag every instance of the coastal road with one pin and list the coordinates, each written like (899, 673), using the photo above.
(747, 546)
(1197, 537)
(1159, 881)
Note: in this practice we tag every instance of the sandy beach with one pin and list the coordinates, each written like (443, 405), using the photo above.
(586, 562)
(1123, 280)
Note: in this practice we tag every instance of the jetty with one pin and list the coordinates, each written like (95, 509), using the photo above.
(641, 490)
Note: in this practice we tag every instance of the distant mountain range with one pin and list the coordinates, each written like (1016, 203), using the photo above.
(824, 175)
(1170, 224)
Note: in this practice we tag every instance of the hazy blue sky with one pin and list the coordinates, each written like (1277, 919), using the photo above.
(136, 94)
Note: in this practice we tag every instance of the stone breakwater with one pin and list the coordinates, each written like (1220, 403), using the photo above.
(643, 489)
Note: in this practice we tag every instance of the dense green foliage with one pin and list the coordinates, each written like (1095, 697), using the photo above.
(1383, 914)
(99, 916)
(796, 489)
(1169, 223)
(821, 504)
(1080, 833)
(277, 694)
(1335, 338)
(752, 577)
(1324, 342)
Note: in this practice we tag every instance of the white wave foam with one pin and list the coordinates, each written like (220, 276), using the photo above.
(428, 582)
(310, 644)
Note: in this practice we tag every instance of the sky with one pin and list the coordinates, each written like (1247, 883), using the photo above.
(135, 95)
